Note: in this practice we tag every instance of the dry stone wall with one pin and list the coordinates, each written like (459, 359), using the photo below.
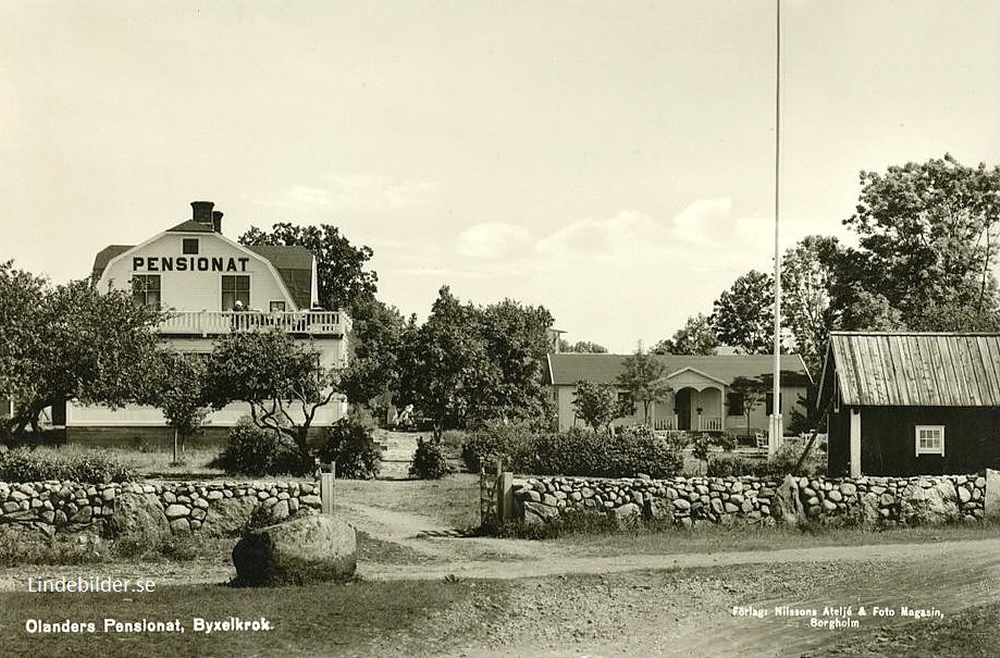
(199, 507)
(866, 501)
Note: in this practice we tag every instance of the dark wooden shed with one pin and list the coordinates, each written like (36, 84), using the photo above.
(911, 403)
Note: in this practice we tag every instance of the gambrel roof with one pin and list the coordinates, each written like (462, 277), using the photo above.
(913, 369)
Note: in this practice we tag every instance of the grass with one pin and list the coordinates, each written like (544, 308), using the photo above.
(669, 540)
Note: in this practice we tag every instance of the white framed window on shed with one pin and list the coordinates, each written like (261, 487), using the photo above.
(146, 289)
(277, 307)
(929, 439)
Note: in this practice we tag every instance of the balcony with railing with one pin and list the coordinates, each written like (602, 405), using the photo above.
(698, 423)
(212, 323)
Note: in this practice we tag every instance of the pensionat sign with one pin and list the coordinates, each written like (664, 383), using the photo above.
(189, 264)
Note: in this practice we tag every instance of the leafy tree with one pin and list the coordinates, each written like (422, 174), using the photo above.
(516, 344)
(645, 378)
(696, 337)
(281, 379)
(69, 342)
(446, 371)
(928, 236)
(596, 403)
(342, 280)
(743, 316)
(806, 280)
(582, 346)
(752, 392)
(179, 392)
(468, 365)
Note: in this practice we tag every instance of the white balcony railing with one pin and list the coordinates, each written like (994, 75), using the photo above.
(207, 323)
(667, 423)
(710, 423)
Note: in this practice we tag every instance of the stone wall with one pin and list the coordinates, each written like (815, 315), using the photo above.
(866, 501)
(200, 507)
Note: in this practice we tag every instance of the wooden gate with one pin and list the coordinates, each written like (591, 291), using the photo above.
(496, 497)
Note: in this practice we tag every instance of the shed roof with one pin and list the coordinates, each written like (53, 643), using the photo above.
(915, 369)
(568, 368)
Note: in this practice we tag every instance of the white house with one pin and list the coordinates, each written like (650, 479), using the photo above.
(701, 399)
(199, 276)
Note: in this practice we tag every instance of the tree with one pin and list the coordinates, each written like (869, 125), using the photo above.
(342, 281)
(446, 370)
(928, 242)
(696, 337)
(743, 316)
(179, 392)
(645, 378)
(69, 342)
(596, 404)
(806, 280)
(752, 393)
(280, 377)
(582, 346)
(468, 365)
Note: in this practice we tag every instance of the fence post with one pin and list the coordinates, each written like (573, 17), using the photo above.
(505, 497)
(327, 483)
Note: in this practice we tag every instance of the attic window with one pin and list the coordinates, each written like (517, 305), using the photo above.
(189, 245)
(929, 439)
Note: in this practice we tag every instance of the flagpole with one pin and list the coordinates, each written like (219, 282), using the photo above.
(776, 429)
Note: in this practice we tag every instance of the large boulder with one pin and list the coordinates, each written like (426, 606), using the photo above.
(929, 506)
(137, 516)
(304, 550)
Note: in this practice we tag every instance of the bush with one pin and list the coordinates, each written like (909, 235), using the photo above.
(737, 467)
(429, 462)
(633, 451)
(351, 444)
(254, 451)
(34, 465)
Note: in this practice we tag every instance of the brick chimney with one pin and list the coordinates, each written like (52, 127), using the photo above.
(203, 212)
(217, 221)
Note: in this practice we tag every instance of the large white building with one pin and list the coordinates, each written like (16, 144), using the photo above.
(199, 276)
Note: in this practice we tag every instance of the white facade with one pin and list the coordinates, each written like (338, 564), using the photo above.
(197, 275)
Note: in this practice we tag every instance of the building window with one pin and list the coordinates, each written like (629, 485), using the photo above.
(235, 288)
(734, 404)
(929, 440)
(626, 404)
(277, 307)
(769, 403)
(146, 289)
(189, 245)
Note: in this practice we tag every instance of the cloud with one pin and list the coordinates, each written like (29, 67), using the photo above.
(494, 241)
(629, 235)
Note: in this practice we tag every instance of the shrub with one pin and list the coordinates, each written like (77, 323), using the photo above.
(255, 451)
(633, 451)
(34, 465)
(511, 443)
(737, 466)
(429, 462)
(351, 444)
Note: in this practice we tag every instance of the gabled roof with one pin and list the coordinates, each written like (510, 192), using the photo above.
(914, 369)
(568, 368)
(191, 226)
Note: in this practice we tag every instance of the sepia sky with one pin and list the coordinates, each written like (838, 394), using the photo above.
(612, 161)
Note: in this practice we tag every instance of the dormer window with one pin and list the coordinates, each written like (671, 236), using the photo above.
(189, 245)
